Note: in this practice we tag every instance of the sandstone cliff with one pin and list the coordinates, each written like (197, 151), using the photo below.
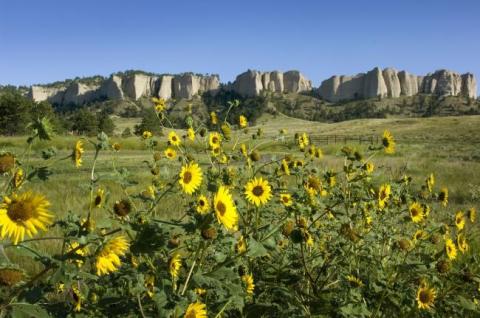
(389, 82)
(251, 82)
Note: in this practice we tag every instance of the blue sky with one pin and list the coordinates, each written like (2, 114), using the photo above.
(45, 41)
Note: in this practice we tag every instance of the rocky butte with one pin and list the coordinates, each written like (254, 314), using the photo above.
(375, 83)
(392, 83)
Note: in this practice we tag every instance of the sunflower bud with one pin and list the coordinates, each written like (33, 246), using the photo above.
(443, 266)
(157, 156)
(209, 233)
(174, 241)
(10, 276)
(122, 208)
(7, 162)
(226, 130)
(255, 156)
(404, 244)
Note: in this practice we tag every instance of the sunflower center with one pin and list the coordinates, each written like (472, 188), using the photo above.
(214, 140)
(187, 177)
(20, 211)
(414, 212)
(258, 190)
(201, 203)
(10, 277)
(191, 314)
(221, 208)
(285, 199)
(98, 200)
(424, 296)
(385, 142)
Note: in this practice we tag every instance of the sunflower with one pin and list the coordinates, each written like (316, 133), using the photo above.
(243, 150)
(313, 185)
(443, 197)
(416, 212)
(425, 297)
(108, 257)
(200, 291)
(286, 199)
(419, 235)
(318, 153)
(460, 220)
(122, 208)
(202, 205)
(216, 151)
(242, 121)
(24, 214)
(258, 191)
(97, 202)
(173, 139)
(170, 153)
(303, 141)
(241, 245)
(384, 195)
(190, 177)
(462, 243)
(330, 178)
(149, 283)
(430, 182)
(225, 209)
(77, 298)
(213, 118)
(388, 142)
(7, 162)
(174, 265)
(196, 310)
(311, 151)
(368, 167)
(214, 139)
(18, 178)
(77, 153)
(11, 276)
(247, 279)
(78, 252)
(450, 249)
(191, 134)
(285, 168)
(116, 146)
(354, 281)
(472, 214)
(147, 134)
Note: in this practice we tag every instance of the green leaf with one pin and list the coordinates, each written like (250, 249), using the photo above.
(256, 249)
(28, 311)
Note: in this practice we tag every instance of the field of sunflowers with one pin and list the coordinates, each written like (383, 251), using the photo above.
(260, 234)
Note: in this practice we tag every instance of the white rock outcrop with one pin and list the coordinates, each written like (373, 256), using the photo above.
(389, 82)
(138, 85)
(79, 93)
(53, 95)
(112, 88)
(165, 88)
(251, 83)
(187, 85)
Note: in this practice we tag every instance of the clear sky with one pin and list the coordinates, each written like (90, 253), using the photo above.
(45, 41)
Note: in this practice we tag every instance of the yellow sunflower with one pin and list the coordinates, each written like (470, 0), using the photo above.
(191, 134)
(388, 142)
(196, 310)
(462, 243)
(213, 118)
(241, 245)
(18, 178)
(249, 285)
(77, 298)
(242, 121)
(78, 252)
(170, 153)
(285, 168)
(368, 167)
(173, 139)
(190, 177)
(216, 151)
(147, 134)
(225, 209)
(24, 214)
(416, 212)
(472, 214)
(202, 205)
(419, 235)
(443, 197)
(430, 182)
(77, 153)
(450, 249)
(243, 150)
(384, 195)
(108, 258)
(318, 153)
(286, 199)
(354, 281)
(460, 220)
(174, 265)
(258, 191)
(116, 146)
(425, 297)
(214, 139)
(98, 200)
(313, 185)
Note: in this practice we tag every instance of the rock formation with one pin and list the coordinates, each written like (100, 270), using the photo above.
(389, 82)
(112, 88)
(251, 83)
(79, 93)
(53, 95)
(187, 85)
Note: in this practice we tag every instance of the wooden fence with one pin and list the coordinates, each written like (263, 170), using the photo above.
(344, 139)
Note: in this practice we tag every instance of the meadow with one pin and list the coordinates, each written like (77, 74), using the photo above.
(447, 147)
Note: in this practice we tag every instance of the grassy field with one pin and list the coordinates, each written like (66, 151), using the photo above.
(448, 146)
